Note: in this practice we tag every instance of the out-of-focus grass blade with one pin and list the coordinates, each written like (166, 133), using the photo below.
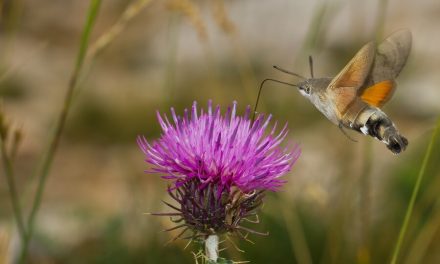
(53, 142)
(414, 194)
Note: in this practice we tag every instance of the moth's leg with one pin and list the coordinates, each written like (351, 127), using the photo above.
(341, 127)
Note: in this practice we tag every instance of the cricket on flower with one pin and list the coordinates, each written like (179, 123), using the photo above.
(219, 168)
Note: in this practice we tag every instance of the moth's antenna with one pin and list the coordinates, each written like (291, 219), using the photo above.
(289, 72)
(311, 65)
(259, 93)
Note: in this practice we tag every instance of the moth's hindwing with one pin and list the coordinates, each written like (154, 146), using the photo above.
(378, 94)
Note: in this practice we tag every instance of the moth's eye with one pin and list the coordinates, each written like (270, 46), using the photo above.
(306, 89)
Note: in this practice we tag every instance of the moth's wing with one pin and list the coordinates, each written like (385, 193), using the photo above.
(343, 89)
(390, 58)
(379, 93)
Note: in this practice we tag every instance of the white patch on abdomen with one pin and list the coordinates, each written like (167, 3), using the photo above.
(364, 129)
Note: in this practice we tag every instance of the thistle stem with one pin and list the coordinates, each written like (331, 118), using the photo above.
(211, 247)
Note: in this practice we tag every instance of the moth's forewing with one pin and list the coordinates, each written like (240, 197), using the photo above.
(390, 58)
(343, 88)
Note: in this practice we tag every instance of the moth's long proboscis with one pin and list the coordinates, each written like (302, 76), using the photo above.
(259, 93)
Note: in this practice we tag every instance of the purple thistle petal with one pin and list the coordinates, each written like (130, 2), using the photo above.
(227, 149)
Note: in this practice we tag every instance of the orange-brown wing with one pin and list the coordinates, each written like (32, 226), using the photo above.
(344, 87)
(390, 58)
(379, 93)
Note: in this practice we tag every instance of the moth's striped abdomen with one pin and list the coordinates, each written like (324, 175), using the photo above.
(373, 122)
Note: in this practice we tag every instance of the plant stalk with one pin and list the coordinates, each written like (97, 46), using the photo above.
(54, 142)
(211, 247)
(16, 207)
(412, 201)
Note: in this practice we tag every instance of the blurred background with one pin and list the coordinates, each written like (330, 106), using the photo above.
(344, 201)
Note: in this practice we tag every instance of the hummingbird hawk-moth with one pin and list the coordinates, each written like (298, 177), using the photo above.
(353, 99)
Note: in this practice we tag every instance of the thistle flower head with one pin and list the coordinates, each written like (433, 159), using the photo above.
(219, 165)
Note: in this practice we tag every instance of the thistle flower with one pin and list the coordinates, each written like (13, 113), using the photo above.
(219, 167)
